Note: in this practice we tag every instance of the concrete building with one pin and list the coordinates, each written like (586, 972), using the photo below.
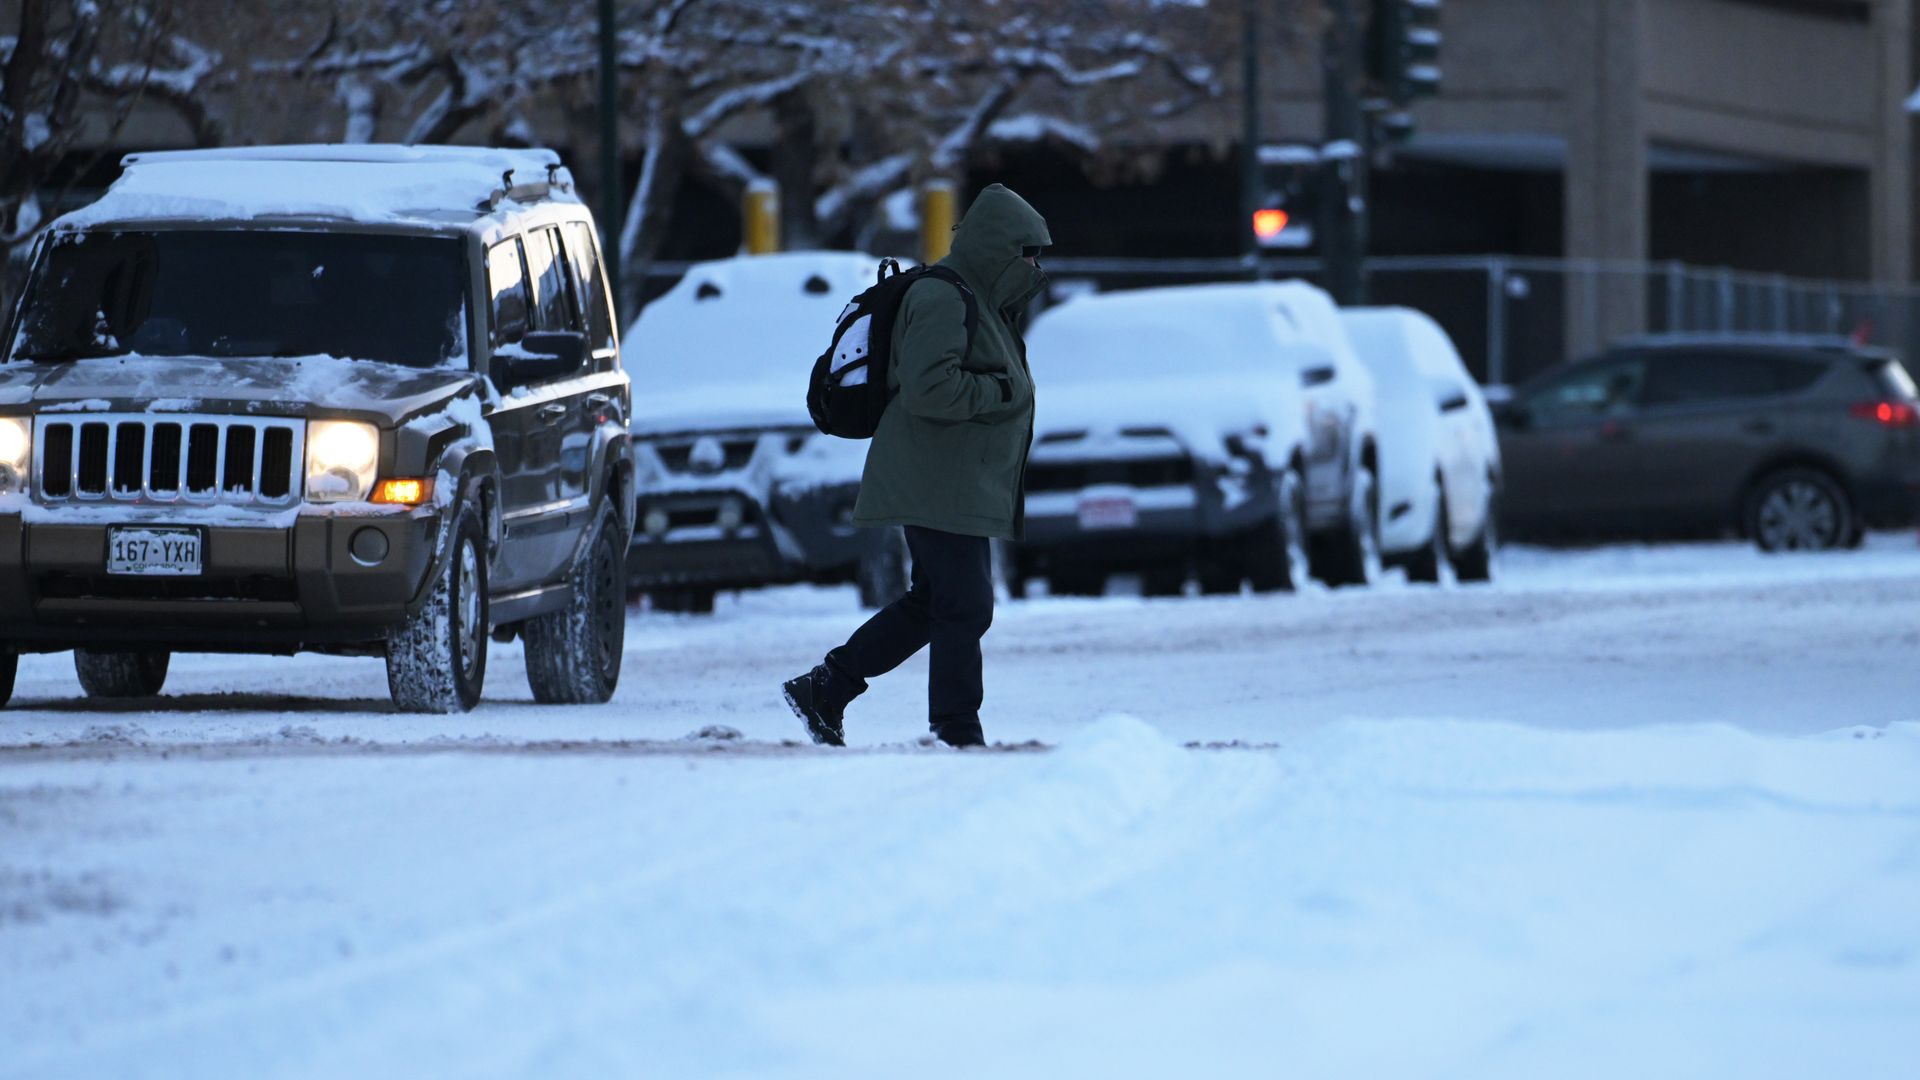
(1766, 135)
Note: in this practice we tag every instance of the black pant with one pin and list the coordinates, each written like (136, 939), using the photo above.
(949, 607)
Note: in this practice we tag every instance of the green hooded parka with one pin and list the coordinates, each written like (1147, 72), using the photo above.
(951, 450)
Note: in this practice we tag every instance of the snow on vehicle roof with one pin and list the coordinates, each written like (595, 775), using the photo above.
(1199, 361)
(368, 183)
(1162, 333)
(735, 338)
(1386, 337)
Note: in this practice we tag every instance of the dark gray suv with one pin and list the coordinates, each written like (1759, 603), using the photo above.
(351, 399)
(1795, 444)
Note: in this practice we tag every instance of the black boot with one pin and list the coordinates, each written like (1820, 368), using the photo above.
(960, 731)
(819, 698)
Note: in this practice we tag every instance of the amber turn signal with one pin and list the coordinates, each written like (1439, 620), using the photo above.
(408, 491)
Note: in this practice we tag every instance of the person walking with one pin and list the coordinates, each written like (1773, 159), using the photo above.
(947, 463)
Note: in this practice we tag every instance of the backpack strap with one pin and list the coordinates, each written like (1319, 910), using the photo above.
(952, 277)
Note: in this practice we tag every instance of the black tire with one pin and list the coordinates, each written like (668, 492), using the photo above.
(1433, 564)
(9, 666)
(120, 674)
(1799, 509)
(1076, 583)
(1352, 556)
(1010, 569)
(884, 569)
(1219, 580)
(437, 661)
(1475, 562)
(1166, 581)
(574, 655)
(683, 600)
(1276, 552)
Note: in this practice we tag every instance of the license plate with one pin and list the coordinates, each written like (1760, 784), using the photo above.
(1108, 513)
(153, 552)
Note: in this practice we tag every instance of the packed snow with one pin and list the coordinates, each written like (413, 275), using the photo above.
(1631, 811)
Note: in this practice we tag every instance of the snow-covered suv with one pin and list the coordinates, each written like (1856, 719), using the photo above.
(736, 487)
(1227, 428)
(362, 400)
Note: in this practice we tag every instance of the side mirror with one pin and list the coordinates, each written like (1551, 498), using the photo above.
(544, 355)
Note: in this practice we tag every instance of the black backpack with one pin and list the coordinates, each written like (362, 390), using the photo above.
(848, 389)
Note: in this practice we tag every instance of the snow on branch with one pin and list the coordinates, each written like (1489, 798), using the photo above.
(740, 99)
(1034, 128)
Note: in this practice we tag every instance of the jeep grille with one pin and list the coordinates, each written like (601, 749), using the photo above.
(733, 453)
(139, 458)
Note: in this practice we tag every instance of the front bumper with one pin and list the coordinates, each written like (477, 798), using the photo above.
(805, 534)
(1170, 525)
(273, 587)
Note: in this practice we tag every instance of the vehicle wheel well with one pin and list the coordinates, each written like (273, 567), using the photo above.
(1800, 460)
(481, 489)
(620, 487)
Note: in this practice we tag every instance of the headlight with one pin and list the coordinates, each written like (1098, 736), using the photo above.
(342, 456)
(16, 439)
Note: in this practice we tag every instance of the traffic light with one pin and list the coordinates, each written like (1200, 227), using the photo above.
(1403, 48)
(1284, 209)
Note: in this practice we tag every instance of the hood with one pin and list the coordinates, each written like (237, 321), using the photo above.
(1201, 412)
(986, 248)
(735, 406)
(304, 386)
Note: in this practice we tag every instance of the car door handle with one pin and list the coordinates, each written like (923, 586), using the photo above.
(553, 412)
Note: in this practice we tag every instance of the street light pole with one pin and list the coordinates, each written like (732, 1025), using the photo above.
(609, 149)
(1250, 131)
(1343, 198)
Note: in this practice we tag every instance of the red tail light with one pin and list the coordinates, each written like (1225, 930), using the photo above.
(1889, 413)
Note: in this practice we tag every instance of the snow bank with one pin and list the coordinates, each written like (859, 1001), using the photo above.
(1504, 902)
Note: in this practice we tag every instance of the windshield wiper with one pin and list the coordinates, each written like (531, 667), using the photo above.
(65, 355)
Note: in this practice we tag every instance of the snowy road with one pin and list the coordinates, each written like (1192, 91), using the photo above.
(1647, 812)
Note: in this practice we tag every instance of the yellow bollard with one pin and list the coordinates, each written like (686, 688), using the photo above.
(760, 218)
(936, 220)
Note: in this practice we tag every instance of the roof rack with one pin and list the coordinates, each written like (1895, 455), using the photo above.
(532, 159)
(525, 175)
(557, 178)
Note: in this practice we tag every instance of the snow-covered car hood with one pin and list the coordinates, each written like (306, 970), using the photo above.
(742, 406)
(303, 386)
(1202, 413)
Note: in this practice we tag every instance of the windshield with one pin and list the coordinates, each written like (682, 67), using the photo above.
(398, 299)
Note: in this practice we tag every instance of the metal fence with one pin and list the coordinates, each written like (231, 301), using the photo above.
(1513, 318)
